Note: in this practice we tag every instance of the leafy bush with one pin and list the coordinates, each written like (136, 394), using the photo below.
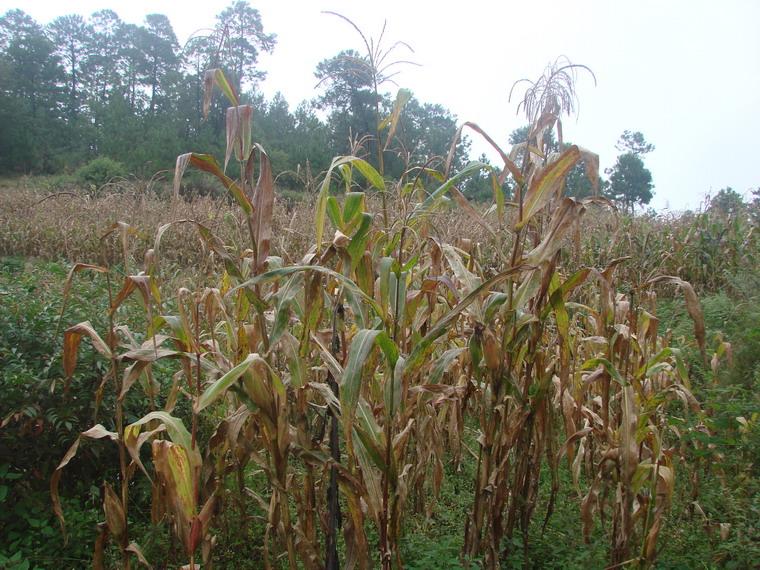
(100, 171)
(199, 184)
(38, 420)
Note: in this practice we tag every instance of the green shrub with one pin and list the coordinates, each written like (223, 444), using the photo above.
(100, 171)
(199, 184)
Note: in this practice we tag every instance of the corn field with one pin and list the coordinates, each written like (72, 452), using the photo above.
(324, 390)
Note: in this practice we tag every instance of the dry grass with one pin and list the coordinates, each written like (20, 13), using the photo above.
(68, 225)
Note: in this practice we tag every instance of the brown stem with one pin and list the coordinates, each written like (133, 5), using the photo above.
(194, 442)
(119, 427)
(333, 503)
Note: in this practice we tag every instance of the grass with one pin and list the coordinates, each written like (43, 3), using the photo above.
(40, 220)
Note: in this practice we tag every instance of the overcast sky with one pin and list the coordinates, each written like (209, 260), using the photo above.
(684, 73)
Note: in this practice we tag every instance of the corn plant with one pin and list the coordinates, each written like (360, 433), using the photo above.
(347, 380)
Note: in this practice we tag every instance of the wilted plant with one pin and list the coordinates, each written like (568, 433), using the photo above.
(347, 379)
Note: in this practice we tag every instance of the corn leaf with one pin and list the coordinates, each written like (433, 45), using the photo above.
(418, 352)
(547, 184)
(277, 274)
(402, 98)
(350, 383)
(71, 339)
(216, 77)
(263, 205)
(693, 307)
(220, 386)
(208, 163)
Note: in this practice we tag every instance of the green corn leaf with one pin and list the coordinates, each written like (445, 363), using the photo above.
(276, 274)
(353, 206)
(359, 240)
(443, 363)
(333, 212)
(369, 172)
(422, 210)
(610, 368)
(220, 386)
(174, 427)
(324, 191)
(350, 385)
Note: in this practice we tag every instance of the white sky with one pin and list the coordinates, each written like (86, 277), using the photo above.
(684, 73)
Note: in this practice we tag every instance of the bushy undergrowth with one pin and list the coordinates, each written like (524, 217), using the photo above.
(100, 171)
(38, 422)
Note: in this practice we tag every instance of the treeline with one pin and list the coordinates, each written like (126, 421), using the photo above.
(85, 87)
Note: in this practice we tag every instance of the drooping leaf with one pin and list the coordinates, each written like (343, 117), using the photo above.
(593, 363)
(115, 519)
(125, 230)
(370, 472)
(175, 470)
(565, 216)
(216, 77)
(208, 163)
(467, 280)
(71, 339)
(508, 163)
(547, 184)
(591, 162)
(77, 267)
(369, 172)
(135, 549)
(391, 121)
(98, 431)
(628, 446)
(210, 239)
(134, 440)
(263, 205)
(443, 363)
(350, 383)
(276, 274)
(134, 283)
(238, 121)
(220, 386)
(418, 352)
(692, 307)
(422, 210)
(174, 427)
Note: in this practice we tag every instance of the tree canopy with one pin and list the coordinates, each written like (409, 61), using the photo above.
(81, 87)
(630, 182)
(85, 87)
